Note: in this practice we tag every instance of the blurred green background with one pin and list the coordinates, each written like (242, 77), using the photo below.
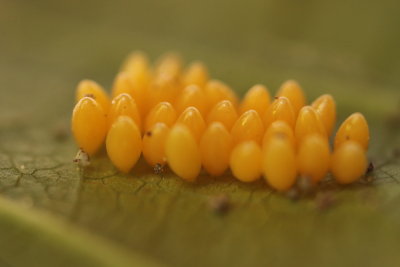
(48, 46)
(347, 48)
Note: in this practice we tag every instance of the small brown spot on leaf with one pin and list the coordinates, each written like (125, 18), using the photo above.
(370, 168)
(220, 204)
(305, 185)
(158, 168)
(293, 194)
(325, 201)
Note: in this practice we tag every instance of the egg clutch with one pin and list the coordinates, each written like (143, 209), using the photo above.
(182, 118)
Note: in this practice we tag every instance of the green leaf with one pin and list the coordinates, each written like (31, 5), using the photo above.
(52, 213)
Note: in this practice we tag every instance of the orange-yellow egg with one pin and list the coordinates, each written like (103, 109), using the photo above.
(325, 107)
(163, 112)
(308, 122)
(355, 128)
(192, 118)
(89, 88)
(196, 73)
(137, 61)
(279, 163)
(216, 91)
(89, 125)
(154, 141)
(164, 88)
(249, 126)
(123, 85)
(292, 90)
(124, 104)
(169, 64)
(193, 96)
(313, 158)
(280, 109)
(256, 98)
(223, 112)
(245, 161)
(349, 162)
(215, 147)
(124, 143)
(279, 128)
(138, 68)
(183, 153)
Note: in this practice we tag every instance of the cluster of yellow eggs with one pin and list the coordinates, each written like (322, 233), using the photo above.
(182, 118)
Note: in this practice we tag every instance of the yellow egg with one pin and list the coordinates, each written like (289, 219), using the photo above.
(154, 144)
(308, 122)
(280, 109)
(349, 162)
(313, 158)
(256, 98)
(325, 107)
(193, 96)
(355, 128)
(216, 91)
(196, 74)
(183, 153)
(215, 147)
(124, 143)
(279, 128)
(138, 68)
(124, 85)
(192, 118)
(123, 104)
(163, 112)
(136, 61)
(292, 90)
(249, 126)
(169, 64)
(223, 112)
(89, 125)
(245, 161)
(89, 88)
(279, 163)
(164, 88)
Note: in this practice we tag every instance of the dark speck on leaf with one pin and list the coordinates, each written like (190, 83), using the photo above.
(293, 194)
(325, 201)
(219, 204)
(148, 133)
(370, 168)
(305, 185)
(158, 168)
